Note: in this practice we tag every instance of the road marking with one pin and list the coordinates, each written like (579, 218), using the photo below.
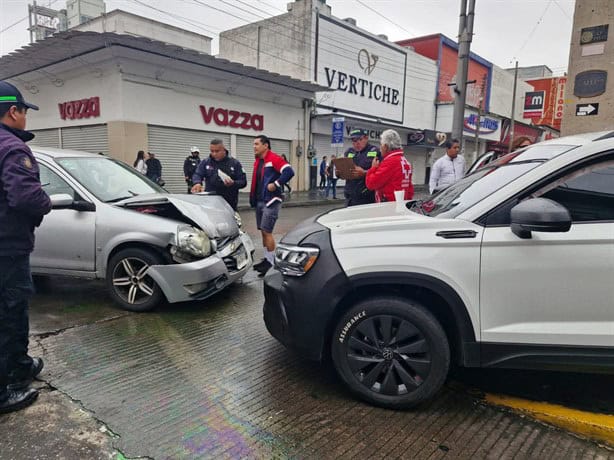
(590, 424)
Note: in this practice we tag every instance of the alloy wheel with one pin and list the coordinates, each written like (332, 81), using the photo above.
(388, 355)
(131, 282)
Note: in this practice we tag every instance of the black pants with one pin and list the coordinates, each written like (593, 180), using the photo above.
(190, 184)
(322, 181)
(16, 288)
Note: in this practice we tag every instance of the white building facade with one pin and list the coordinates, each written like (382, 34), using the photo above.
(124, 94)
(375, 84)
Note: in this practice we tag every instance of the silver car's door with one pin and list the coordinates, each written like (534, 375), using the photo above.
(66, 239)
(555, 288)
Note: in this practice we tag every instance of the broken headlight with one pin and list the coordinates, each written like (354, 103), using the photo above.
(193, 241)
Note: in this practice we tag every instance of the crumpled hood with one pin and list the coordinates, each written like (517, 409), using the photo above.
(211, 213)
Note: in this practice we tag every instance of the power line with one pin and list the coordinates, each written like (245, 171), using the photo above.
(539, 21)
(385, 17)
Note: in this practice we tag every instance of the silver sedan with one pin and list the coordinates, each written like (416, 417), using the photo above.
(111, 222)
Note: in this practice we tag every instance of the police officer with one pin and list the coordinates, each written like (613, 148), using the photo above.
(189, 166)
(363, 153)
(23, 203)
(222, 174)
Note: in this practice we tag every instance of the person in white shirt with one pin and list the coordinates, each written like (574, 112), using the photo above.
(448, 169)
(140, 164)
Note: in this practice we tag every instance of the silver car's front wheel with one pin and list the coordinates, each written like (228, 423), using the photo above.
(128, 281)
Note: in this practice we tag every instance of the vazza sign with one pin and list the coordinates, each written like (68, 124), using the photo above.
(232, 118)
(366, 74)
(82, 108)
(487, 125)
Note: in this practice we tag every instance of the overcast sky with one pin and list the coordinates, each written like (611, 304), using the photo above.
(533, 32)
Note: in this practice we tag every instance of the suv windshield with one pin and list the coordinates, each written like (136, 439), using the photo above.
(107, 179)
(485, 181)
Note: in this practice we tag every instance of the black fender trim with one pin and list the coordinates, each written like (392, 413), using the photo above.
(468, 347)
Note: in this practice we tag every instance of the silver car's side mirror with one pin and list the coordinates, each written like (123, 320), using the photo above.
(61, 201)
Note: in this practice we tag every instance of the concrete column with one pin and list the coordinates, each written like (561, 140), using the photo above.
(126, 138)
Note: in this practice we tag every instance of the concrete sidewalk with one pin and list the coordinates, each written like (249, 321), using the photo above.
(317, 197)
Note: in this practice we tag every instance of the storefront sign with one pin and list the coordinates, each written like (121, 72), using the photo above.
(590, 83)
(82, 108)
(367, 74)
(487, 125)
(232, 118)
(374, 134)
(337, 136)
(427, 138)
(594, 34)
(534, 104)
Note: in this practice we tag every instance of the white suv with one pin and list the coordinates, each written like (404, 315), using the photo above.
(512, 266)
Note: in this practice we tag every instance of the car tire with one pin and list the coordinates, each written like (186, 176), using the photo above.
(128, 282)
(391, 352)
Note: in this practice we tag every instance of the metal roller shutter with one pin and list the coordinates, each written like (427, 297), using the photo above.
(172, 145)
(245, 154)
(93, 138)
(46, 138)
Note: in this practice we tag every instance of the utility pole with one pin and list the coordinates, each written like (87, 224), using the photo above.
(512, 117)
(465, 35)
(477, 130)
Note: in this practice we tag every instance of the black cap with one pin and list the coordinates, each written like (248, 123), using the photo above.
(11, 95)
(358, 132)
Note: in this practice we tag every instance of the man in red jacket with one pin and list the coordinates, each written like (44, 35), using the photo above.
(393, 172)
(271, 173)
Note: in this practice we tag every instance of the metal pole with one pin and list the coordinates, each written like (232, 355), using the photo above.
(512, 118)
(477, 131)
(465, 34)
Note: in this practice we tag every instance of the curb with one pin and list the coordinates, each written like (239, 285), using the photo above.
(599, 427)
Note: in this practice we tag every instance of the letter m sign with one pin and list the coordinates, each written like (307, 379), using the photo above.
(534, 104)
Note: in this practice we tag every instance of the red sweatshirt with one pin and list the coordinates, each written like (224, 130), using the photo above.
(393, 173)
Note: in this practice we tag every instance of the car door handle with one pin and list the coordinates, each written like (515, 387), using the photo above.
(454, 234)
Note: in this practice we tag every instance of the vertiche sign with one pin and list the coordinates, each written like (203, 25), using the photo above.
(81, 108)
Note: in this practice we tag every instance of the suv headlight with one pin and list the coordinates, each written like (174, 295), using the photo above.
(295, 260)
(193, 241)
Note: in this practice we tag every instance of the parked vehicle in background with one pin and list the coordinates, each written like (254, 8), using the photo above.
(112, 223)
(512, 266)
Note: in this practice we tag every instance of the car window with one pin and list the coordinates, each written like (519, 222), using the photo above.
(587, 193)
(485, 181)
(54, 184)
(107, 179)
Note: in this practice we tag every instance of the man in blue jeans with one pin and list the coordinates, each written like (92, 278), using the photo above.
(23, 203)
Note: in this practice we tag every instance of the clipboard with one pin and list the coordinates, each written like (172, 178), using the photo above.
(344, 167)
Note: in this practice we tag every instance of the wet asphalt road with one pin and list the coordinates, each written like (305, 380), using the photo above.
(205, 380)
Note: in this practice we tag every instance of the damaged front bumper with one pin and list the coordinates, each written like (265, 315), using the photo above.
(202, 278)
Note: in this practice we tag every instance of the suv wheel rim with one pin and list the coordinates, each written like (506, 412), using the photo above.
(388, 355)
(131, 281)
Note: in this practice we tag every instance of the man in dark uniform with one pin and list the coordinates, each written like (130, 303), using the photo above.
(222, 174)
(363, 153)
(23, 203)
(189, 166)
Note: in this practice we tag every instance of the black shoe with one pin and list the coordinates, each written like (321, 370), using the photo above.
(21, 382)
(260, 264)
(264, 267)
(17, 400)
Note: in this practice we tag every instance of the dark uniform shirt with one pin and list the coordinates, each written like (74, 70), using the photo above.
(208, 171)
(189, 167)
(23, 202)
(356, 191)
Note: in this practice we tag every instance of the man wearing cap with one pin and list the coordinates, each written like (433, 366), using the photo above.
(363, 153)
(190, 165)
(221, 173)
(23, 203)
